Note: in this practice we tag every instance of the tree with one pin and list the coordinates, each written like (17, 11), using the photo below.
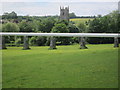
(8, 27)
(49, 23)
(82, 29)
(11, 15)
(61, 28)
(72, 15)
(73, 29)
(106, 24)
(26, 27)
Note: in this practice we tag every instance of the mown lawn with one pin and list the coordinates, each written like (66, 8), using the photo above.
(66, 67)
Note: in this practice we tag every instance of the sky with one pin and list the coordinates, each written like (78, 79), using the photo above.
(52, 7)
(59, 0)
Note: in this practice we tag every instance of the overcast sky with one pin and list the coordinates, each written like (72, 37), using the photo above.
(60, 0)
(51, 7)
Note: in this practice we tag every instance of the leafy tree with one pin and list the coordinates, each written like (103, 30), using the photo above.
(82, 40)
(11, 15)
(105, 24)
(73, 29)
(33, 41)
(18, 42)
(41, 27)
(72, 15)
(82, 27)
(40, 41)
(62, 21)
(61, 28)
(48, 23)
(9, 27)
(26, 27)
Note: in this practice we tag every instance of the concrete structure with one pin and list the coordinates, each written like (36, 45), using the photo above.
(53, 35)
(64, 13)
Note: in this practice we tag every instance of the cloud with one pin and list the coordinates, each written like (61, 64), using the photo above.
(59, 0)
(52, 8)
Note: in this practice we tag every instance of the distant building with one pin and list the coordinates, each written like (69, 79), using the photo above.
(64, 13)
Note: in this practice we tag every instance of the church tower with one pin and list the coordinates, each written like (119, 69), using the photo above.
(64, 13)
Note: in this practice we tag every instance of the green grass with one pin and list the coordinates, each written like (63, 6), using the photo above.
(66, 67)
(82, 20)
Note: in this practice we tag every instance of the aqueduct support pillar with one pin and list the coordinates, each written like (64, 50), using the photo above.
(82, 43)
(52, 43)
(26, 43)
(3, 43)
(116, 42)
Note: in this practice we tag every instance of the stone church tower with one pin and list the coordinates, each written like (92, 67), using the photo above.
(64, 13)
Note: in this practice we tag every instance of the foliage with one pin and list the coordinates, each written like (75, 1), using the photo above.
(18, 42)
(105, 24)
(82, 27)
(11, 15)
(60, 28)
(72, 15)
(46, 24)
(40, 41)
(33, 41)
(10, 27)
(73, 29)
(26, 26)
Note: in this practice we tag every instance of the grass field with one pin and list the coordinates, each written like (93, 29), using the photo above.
(76, 20)
(66, 67)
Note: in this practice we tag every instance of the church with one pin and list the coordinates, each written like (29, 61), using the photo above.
(64, 13)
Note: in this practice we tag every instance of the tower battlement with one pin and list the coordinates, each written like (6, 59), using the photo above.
(64, 13)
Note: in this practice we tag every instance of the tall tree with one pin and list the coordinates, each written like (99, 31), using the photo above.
(8, 27)
(26, 27)
(82, 41)
(72, 15)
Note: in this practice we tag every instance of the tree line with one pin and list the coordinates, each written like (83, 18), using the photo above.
(47, 24)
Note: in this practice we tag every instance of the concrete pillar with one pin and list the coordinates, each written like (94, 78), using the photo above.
(82, 43)
(26, 43)
(3, 43)
(52, 43)
(116, 42)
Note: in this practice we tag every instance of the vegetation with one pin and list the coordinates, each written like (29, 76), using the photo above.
(67, 67)
(46, 24)
(82, 20)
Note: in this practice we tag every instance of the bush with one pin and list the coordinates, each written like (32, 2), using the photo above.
(18, 42)
(40, 41)
(33, 41)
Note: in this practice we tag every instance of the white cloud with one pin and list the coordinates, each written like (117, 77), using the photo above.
(60, 0)
(42, 8)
